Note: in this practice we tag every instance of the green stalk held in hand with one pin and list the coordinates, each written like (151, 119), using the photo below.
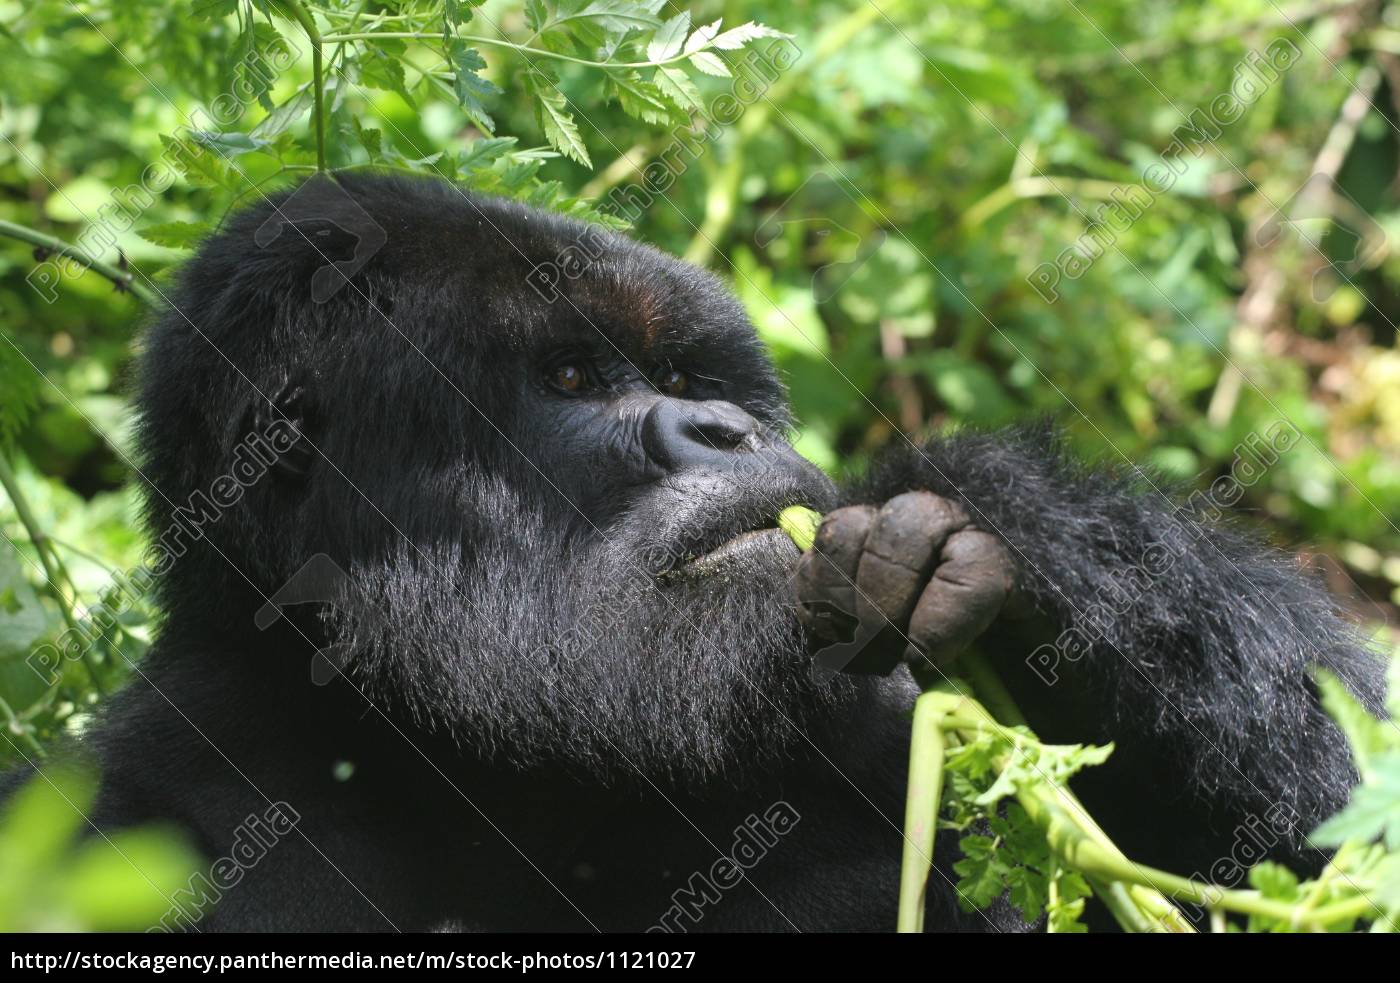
(948, 720)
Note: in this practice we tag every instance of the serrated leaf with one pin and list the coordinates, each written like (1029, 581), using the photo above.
(710, 64)
(284, 116)
(455, 13)
(616, 16)
(199, 165)
(982, 873)
(1366, 735)
(643, 100)
(470, 87)
(702, 37)
(483, 153)
(678, 87)
(19, 392)
(553, 116)
(669, 37)
(536, 15)
(380, 70)
(230, 144)
(176, 235)
(1274, 881)
(1373, 812)
(213, 9)
(737, 37)
(1027, 891)
(371, 139)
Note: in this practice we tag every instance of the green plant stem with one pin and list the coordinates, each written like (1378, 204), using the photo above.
(921, 803)
(1037, 187)
(53, 565)
(989, 689)
(308, 24)
(1137, 908)
(123, 279)
(500, 43)
(17, 728)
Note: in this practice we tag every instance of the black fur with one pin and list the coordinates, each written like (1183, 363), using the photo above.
(553, 724)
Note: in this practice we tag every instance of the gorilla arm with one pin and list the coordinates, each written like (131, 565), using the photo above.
(1187, 644)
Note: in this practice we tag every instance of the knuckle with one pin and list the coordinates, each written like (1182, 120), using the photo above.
(848, 525)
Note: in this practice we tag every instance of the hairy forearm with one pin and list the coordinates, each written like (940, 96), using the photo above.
(1195, 642)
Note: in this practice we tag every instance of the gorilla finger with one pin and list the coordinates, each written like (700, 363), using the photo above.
(964, 597)
(826, 574)
(901, 550)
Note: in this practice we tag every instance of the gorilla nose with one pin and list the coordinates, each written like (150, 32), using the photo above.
(683, 434)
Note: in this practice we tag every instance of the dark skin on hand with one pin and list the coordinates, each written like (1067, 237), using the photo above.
(914, 580)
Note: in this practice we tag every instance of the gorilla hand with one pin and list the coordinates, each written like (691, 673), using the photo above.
(911, 580)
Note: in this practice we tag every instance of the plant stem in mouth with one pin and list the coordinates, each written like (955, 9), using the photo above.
(800, 524)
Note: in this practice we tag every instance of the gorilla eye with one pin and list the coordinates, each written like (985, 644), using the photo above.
(569, 377)
(673, 382)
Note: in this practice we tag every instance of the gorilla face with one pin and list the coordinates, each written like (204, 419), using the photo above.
(553, 498)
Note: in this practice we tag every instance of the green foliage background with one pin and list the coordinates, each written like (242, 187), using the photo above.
(878, 208)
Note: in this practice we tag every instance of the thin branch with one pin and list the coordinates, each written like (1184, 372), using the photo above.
(52, 563)
(123, 279)
(499, 43)
(308, 24)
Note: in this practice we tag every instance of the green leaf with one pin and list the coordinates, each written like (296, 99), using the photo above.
(702, 37)
(229, 144)
(23, 620)
(381, 70)
(19, 392)
(1366, 735)
(176, 235)
(125, 879)
(676, 85)
(738, 37)
(669, 37)
(1065, 914)
(470, 87)
(484, 152)
(1373, 812)
(981, 872)
(1274, 881)
(536, 15)
(199, 165)
(284, 115)
(710, 64)
(1027, 891)
(370, 138)
(213, 9)
(617, 16)
(558, 125)
(643, 100)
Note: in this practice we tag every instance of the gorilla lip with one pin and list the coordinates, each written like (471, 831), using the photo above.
(743, 545)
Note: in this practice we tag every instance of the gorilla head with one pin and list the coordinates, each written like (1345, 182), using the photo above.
(546, 459)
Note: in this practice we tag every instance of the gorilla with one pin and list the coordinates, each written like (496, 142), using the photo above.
(503, 635)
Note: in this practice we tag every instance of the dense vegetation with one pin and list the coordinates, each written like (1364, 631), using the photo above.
(1169, 227)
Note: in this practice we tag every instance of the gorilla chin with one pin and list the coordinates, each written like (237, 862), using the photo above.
(671, 659)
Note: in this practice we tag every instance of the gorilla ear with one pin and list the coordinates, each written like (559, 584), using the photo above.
(289, 402)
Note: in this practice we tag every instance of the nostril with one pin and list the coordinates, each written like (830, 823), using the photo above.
(721, 426)
(679, 434)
